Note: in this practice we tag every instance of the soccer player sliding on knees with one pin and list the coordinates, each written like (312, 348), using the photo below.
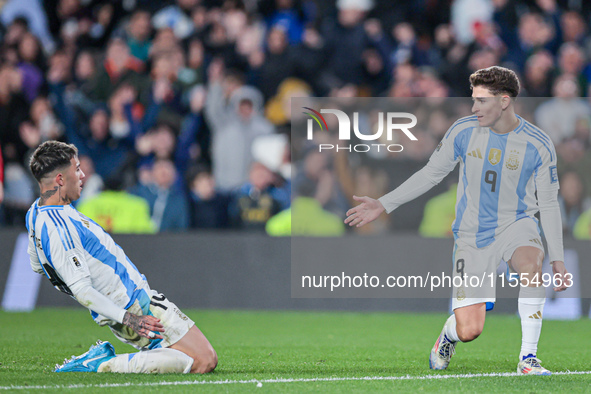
(82, 260)
(507, 174)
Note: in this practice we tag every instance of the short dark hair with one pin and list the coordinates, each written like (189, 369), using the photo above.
(50, 156)
(496, 79)
(197, 170)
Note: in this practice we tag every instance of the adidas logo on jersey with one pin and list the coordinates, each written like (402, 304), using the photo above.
(475, 153)
(537, 315)
(536, 241)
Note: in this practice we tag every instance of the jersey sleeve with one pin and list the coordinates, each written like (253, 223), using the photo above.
(63, 248)
(442, 162)
(33, 258)
(447, 155)
(31, 249)
(546, 172)
(546, 180)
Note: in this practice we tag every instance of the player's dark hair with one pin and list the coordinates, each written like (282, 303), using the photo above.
(50, 156)
(497, 80)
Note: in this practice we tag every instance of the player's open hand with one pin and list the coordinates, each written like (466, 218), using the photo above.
(145, 326)
(561, 276)
(364, 213)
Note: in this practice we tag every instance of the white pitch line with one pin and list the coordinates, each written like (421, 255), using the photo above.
(286, 380)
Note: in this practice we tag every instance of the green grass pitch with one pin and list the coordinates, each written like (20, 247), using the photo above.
(300, 347)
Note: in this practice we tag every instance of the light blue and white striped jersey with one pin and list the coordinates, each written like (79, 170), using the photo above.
(499, 174)
(67, 246)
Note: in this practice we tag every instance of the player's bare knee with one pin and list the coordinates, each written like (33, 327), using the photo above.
(469, 333)
(528, 260)
(531, 271)
(205, 363)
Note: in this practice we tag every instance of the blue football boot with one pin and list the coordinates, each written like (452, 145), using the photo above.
(89, 361)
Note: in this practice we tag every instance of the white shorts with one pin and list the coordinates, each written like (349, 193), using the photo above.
(176, 323)
(483, 263)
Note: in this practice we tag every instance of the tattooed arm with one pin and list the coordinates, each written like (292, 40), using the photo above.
(86, 295)
(143, 325)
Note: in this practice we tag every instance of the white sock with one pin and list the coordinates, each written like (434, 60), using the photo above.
(531, 306)
(449, 329)
(162, 360)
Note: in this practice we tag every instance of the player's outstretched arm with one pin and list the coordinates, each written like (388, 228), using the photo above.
(364, 213)
(144, 325)
(561, 276)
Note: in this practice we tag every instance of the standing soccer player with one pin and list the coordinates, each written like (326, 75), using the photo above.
(504, 161)
(82, 260)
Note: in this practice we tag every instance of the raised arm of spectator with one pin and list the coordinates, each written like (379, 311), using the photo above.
(139, 128)
(309, 55)
(552, 13)
(189, 131)
(66, 115)
(214, 104)
(379, 40)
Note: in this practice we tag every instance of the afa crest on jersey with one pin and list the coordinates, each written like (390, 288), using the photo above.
(512, 162)
(494, 156)
(461, 295)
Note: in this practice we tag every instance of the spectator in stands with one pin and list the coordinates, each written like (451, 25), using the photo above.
(163, 75)
(118, 68)
(84, 68)
(537, 80)
(14, 110)
(280, 62)
(176, 16)
(95, 30)
(118, 211)
(45, 121)
(571, 61)
(305, 217)
(93, 183)
(26, 15)
(345, 41)
(534, 33)
(408, 50)
(582, 228)
(31, 65)
(158, 143)
(574, 28)
(138, 31)
(359, 181)
(317, 168)
(168, 205)
(278, 108)
(257, 200)
(111, 155)
(19, 190)
(193, 72)
(233, 126)
(161, 141)
(572, 200)
(439, 215)
(292, 15)
(466, 14)
(208, 206)
(273, 151)
(558, 116)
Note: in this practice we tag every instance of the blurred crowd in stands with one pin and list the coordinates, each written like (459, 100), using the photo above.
(181, 110)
